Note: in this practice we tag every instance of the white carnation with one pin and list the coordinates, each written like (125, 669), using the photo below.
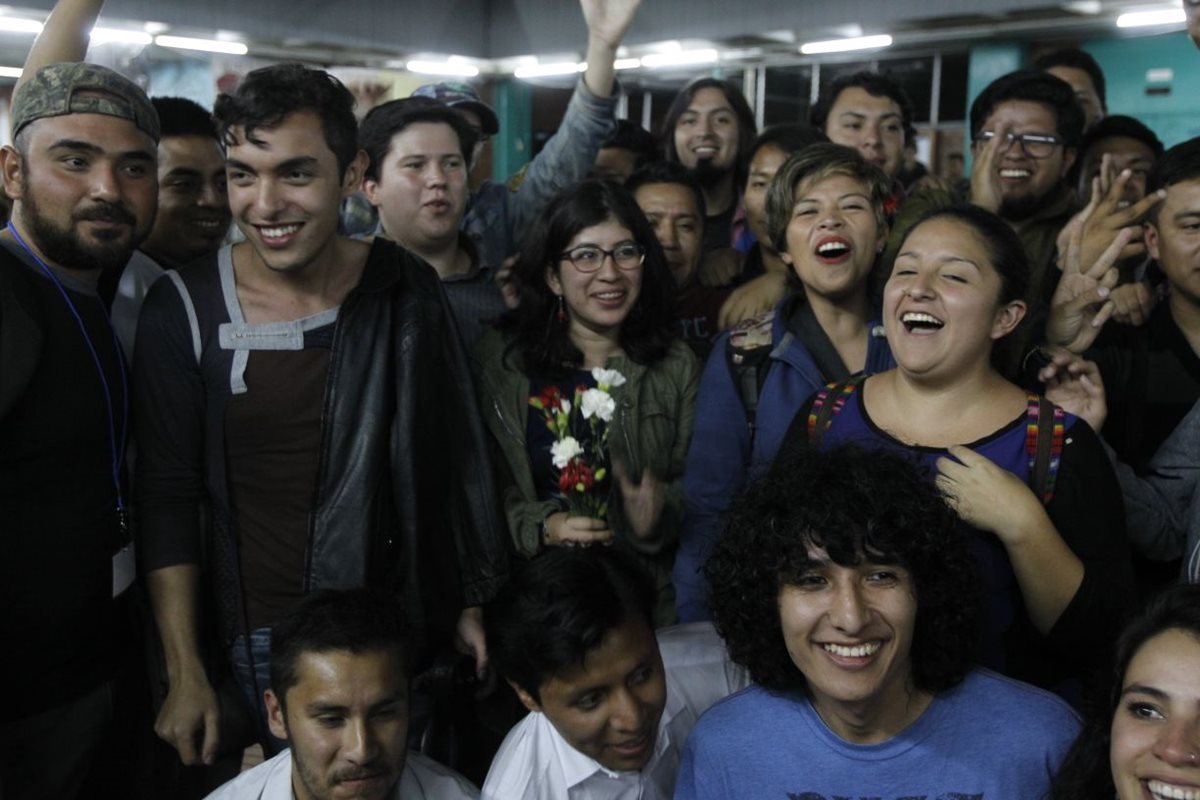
(597, 402)
(562, 452)
(607, 377)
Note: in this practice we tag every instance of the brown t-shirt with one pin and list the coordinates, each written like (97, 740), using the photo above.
(272, 446)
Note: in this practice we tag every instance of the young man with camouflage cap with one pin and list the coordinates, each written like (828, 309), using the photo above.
(81, 172)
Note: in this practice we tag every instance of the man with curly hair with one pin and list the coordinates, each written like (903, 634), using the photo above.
(843, 587)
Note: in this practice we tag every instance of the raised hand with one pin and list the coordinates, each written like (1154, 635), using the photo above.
(985, 180)
(1081, 303)
(1108, 217)
(609, 20)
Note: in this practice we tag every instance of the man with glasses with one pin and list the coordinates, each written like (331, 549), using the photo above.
(1025, 129)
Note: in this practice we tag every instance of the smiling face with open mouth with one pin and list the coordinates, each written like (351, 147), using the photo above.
(1025, 182)
(1155, 750)
(849, 630)
(833, 236)
(707, 132)
(597, 302)
(285, 189)
(941, 306)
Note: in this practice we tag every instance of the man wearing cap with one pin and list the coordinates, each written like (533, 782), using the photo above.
(498, 214)
(81, 172)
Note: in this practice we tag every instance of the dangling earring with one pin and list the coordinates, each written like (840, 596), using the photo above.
(562, 311)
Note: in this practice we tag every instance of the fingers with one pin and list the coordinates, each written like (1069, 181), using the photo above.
(211, 729)
(1110, 254)
(585, 531)
(1134, 213)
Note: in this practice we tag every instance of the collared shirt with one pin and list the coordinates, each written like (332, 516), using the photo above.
(536, 763)
(422, 779)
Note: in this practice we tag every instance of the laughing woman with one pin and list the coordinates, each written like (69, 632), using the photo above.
(825, 220)
(587, 395)
(1038, 499)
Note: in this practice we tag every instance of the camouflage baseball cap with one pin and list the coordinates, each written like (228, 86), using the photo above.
(79, 88)
(460, 95)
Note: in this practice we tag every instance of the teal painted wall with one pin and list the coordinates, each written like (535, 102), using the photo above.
(1175, 117)
(512, 145)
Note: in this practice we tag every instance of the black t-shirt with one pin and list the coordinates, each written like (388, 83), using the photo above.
(57, 497)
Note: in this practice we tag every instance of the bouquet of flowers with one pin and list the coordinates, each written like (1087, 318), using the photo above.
(580, 468)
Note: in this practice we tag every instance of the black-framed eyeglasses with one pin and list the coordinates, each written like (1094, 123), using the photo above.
(1035, 145)
(589, 257)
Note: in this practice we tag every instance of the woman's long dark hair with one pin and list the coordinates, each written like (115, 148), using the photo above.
(538, 335)
(1086, 773)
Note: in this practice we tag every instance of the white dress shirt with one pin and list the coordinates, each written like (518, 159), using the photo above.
(422, 779)
(536, 763)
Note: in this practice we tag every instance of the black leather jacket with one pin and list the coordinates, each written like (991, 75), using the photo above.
(405, 495)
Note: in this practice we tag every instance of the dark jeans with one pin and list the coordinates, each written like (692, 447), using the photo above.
(251, 665)
(49, 756)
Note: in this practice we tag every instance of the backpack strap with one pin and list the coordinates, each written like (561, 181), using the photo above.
(747, 354)
(1044, 432)
(827, 404)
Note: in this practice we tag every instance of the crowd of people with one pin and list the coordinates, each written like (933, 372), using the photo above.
(713, 463)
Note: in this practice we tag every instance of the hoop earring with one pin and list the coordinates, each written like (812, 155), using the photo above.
(561, 316)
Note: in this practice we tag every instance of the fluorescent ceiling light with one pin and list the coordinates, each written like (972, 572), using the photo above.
(104, 35)
(442, 68)
(207, 45)
(547, 70)
(10, 72)
(845, 45)
(18, 25)
(681, 58)
(1141, 19)
(627, 63)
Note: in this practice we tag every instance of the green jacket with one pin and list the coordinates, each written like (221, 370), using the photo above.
(650, 431)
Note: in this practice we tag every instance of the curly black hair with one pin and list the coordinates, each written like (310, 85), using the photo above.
(854, 504)
(1085, 773)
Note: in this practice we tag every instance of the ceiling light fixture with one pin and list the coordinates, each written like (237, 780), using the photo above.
(682, 58)
(627, 63)
(19, 25)
(846, 45)
(10, 72)
(207, 45)
(458, 69)
(105, 35)
(1142, 19)
(549, 70)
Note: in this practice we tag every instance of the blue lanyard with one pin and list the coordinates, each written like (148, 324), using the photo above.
(116, 446)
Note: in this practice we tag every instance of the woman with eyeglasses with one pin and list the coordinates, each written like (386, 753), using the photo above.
(590, 355)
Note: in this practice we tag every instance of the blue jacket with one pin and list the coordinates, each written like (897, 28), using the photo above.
(724, 458)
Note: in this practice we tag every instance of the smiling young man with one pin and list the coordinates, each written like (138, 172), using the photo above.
(709, 128)
(610, 700)
(339, 698)
(854, 612)
(310, 391)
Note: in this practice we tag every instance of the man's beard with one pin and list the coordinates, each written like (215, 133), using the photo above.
(1024, 206)
(66, 248)
(709, 174)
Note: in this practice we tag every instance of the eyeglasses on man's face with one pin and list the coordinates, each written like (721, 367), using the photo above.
(1035, 145)
(589, 257)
